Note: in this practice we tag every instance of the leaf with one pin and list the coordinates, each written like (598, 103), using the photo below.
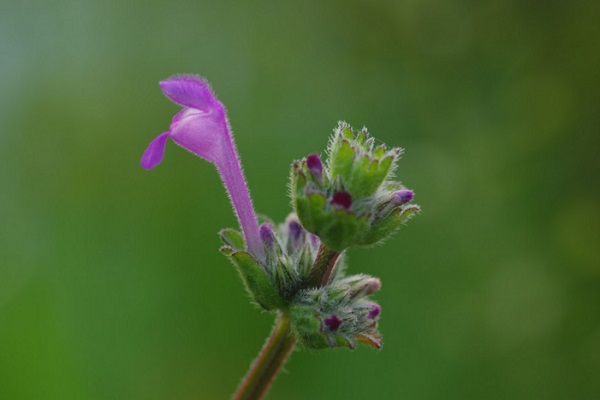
(232, 238)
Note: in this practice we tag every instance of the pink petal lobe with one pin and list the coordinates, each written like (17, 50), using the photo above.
(155, 151)
(202, 133)
(189, 91)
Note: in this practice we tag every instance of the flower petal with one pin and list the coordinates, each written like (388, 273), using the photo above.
(189, 91)
(155, 151)
(199, 132)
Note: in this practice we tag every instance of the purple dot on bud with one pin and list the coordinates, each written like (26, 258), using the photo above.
(333, 323)
(266, 234)
(406, 195)
(374, 311)
(315, 166)
(342, 199)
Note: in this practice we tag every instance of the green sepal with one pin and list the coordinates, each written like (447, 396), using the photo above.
(367, 176)
(408, 212)
(379, 151)
(358, 183)
(233, 238)
(341, 160)
(298, 180)
(342, 229)
(317, 204)
(307, 328)
(302, 207)
(256, 281)
(347, 131)
(385, 227)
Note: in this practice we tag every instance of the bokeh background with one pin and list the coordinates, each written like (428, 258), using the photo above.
(111, 283)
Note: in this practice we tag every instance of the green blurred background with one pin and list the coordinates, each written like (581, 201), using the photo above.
(111, 283)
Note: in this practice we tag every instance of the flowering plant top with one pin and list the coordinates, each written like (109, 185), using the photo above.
(296, 269)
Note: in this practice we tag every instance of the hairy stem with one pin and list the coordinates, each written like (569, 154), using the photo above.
(267, 365)
(323, 266)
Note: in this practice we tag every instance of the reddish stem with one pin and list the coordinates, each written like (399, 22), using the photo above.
(269, 362)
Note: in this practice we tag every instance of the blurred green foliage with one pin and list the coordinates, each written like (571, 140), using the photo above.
(111, 283)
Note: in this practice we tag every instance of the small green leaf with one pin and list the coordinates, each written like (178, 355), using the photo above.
(257, 282)
(232, 238)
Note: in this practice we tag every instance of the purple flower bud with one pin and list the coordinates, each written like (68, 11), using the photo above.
(342, 199)
(373, 285)
(203, 129)
(374, 311)
(315, 166)
(405, 195)
(295, 232)
(267, 235)
(401, 197)
(333, 322)
(363, 285)
(295, 229)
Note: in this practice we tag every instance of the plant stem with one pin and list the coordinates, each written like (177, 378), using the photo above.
(267, 365)
(323, 266)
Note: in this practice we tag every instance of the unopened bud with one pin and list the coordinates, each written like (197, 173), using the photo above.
(295, 233)
(405, 195)
(267, 235)
(342, 200)
(398, 198)
(364, 287)
(333, 323)
(374, 311)
(315, 167)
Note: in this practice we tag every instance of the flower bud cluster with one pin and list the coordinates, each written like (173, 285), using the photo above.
(338, 314)
(290, 252)
(351, 199)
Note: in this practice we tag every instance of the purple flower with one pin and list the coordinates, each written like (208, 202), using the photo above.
(203, 129)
